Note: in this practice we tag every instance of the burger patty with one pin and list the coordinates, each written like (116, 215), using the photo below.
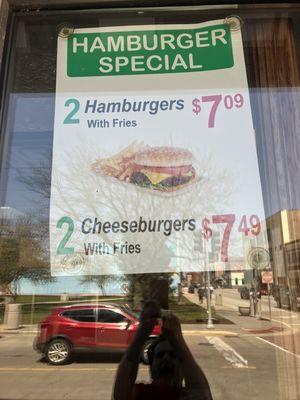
(175, 181)
(140, 179)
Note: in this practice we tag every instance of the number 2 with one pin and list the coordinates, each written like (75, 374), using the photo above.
(70, 117)
(62, 249)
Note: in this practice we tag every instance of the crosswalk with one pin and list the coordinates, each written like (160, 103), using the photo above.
(228, 352)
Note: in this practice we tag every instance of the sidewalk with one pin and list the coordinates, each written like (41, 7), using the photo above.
(25, 329)
(241, 324)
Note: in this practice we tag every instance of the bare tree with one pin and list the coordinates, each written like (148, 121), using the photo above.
(78, 193)
(23, 255)
(99, 280)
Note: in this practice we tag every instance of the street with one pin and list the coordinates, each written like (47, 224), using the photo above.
(285, 322)
(249, 359)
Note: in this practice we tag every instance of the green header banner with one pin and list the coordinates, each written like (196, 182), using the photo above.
(150, 51)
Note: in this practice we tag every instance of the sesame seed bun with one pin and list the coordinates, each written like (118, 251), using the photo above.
(164, 157)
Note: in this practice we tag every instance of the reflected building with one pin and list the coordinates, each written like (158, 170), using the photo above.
(228, 275)
(283, 230)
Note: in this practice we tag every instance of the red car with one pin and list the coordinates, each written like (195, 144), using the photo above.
(89, 327)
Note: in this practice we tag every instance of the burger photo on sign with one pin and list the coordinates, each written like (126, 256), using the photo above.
(161, 168)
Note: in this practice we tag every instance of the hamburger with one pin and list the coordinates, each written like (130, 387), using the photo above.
(162, 168)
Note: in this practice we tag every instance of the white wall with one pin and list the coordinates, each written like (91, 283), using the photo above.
(239, 276)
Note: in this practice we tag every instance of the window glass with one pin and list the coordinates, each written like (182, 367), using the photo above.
(87, 315)
(110, 316)
(240, 316)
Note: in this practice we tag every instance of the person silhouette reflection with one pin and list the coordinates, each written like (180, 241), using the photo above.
(173, 370)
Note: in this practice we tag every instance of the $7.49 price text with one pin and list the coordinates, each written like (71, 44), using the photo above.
(247, 226)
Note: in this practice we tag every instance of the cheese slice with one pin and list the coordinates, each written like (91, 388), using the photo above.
(156, 177)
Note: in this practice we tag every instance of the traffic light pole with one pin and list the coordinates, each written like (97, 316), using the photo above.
(210, 324)
(269, 302)
(257, 304)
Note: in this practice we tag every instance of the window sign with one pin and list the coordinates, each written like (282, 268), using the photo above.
(154, 150)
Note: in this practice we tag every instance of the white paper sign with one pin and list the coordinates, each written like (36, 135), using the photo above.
(154, 151)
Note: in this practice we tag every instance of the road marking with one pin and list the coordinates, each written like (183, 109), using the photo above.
(13, 333)
(281, 310)
(233, 367)
(59, 368)
(188, 332)
(228, 352)
(281, 322)
(278, 347)
(211, 333)
(274, 320)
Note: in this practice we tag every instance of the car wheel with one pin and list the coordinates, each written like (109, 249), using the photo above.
(144, 355)
(58, 352)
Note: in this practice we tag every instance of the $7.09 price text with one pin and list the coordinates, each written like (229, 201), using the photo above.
(246, 226)
(228, 101)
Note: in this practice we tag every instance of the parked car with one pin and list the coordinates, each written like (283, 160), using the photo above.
(245, 291)
(263, 289)
(88, 328)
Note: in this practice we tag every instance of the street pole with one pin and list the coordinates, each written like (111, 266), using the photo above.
(269, 301)
(32, 307)
(256, 300)
(210, 324)
(180, 296)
